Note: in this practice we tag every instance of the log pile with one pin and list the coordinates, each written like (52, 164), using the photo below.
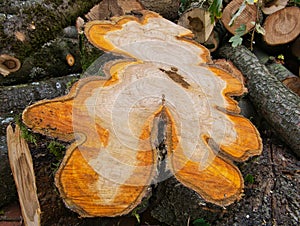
(34, 53)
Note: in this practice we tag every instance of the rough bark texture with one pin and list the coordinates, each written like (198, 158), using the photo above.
(279, 106)
(16, 98)
(109, 8)
(49, 61)
(26, 26)
(279, 71)
(53, 59)
(167, 8)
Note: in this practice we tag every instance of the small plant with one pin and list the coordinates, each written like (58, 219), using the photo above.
(200, 222)
(215, 10)
(142, 206)
(25, 133)
(249, 178)
(71, 83)
(137, 216)
(237, 39)
(295, 2)
(57, 149)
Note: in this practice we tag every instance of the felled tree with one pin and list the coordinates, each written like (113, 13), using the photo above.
(164, 107)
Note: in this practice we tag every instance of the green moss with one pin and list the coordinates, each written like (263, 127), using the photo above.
(140, 208)
(200, 222)
(25, 133)
(57, 149)
(88, 53)
(249, 178)
(71, 83)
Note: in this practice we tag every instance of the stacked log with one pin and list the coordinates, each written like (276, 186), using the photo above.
(25, 58)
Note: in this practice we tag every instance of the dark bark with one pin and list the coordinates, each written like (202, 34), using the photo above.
(167, 8)
(26, 26)
(278, 105)
(279, 71)
(16, 98)
(271, 195)
(51, 59)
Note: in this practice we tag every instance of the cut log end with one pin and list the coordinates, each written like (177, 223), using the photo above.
(270, 7)
(70, 59)
(8, 64)
(199, 22)
(247, 16)
(282, 26)
(156, 109)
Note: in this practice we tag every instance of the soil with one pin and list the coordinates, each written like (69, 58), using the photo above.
(271, 193)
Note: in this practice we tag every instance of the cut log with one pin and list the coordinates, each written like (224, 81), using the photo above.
(173, 204)
(166, 8)
(199, 22)
(278, 105)
(8, 64)
(228, 66)
(283, 26)
(16, 98)
(59, 57)
(272, 6)
(247, 16)
(27, 27)
(22, 169)
(140, 119)
(279, 71)
(108, 8)
(271, 194)
(52, 60)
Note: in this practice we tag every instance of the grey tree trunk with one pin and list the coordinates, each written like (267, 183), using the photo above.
(277, 104)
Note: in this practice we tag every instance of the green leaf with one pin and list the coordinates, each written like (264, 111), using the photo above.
(241, 9)
(241, 30)
(236, 40)
(259, 29)
(249, 178)
(250, 2)
(215, 10)
(137, 216)
(200, 222)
